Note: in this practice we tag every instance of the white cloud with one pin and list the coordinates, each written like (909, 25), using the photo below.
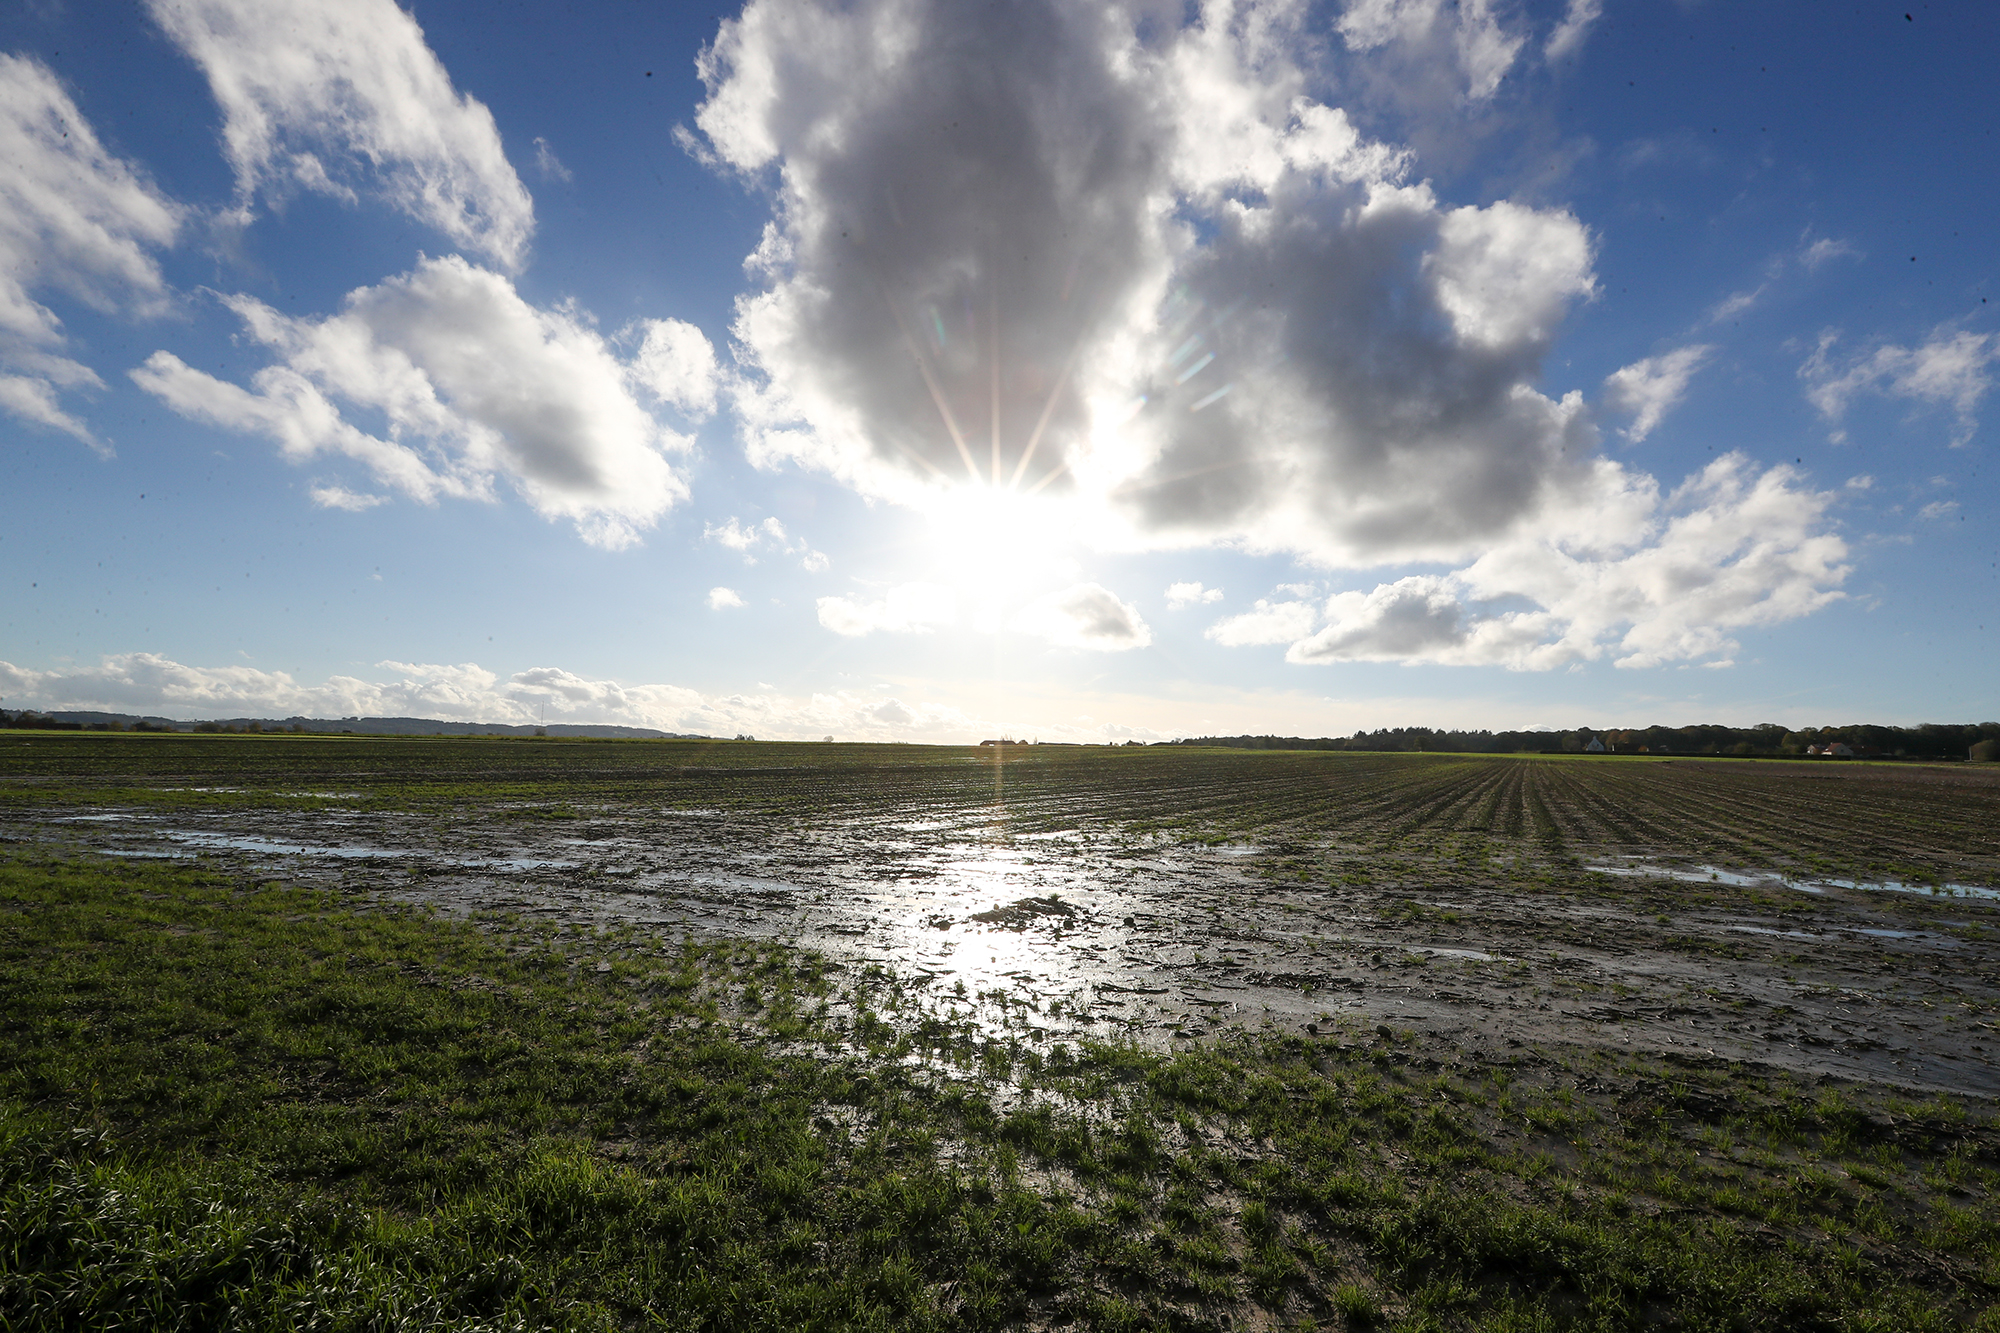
(74, 219)
(343, 97)
(1267, 622)
(1411, 619)
(1824, 249)
(467, 692)
(1938, 509)
(1317, 417)
(1087, 616)
(1221, 316)
(548, 163)
(1645, 390)
(721, 599)
(908, 608)
(472, 384)
(894, 713)
(748, 538)
(1181, 595)
(339, 497)
(1729, 307)
(1666, 582)
(1470, 29)
(1568, 37)
(1951, 369)
(676, 364)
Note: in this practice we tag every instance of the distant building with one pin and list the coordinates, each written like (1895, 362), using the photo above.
(1596, 745)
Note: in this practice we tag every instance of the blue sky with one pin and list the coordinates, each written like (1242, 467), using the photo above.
(1395, 362)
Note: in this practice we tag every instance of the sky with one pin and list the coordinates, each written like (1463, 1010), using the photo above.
(1060, 369)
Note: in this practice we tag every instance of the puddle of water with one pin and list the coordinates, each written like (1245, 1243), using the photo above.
(1783, 934)
(1745, 878)
(1928, 890)
(269, 847)
(274, 847)
(89, 819)
(1698, 875)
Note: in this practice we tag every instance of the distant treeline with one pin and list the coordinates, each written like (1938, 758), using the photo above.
(1930, 741)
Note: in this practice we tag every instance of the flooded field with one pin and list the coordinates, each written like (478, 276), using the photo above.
(1833, 920)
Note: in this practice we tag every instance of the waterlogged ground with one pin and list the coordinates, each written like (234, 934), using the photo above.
(1824, 919)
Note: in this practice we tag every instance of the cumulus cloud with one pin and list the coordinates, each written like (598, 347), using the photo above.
(908, 608)
(746, 539)
(471, 383)
(1951, 369)
(467, 692)
(1731, 549)
(1216, 306)
(676, 364)
(1267, 622)
(344, 97)
(1645, 390)
(721, 599)
(1180, 595)
(1144, 266)
(76, 219)
(1087, 616)
(1470, 30)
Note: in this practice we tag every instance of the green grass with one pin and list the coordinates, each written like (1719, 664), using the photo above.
(226, 1104)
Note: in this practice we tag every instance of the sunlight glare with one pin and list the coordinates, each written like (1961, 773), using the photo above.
(995, 545)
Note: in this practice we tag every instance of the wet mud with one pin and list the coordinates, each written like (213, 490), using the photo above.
(1110, 933)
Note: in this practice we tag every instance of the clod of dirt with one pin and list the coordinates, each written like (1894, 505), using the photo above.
(1026, 912)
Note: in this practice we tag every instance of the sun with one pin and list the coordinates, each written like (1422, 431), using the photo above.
(993, 544)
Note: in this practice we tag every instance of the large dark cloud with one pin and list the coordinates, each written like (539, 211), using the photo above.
(964, 195)
(1143, 251)
(1138, 256)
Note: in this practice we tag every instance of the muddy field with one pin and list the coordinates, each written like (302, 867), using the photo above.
(1830, 919)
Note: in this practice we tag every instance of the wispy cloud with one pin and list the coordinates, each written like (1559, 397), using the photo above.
(1823, 249)
(908, 608)
(722, 599)
(1646, 390)
(1568, 36)
(339, 497)
(1266, 622)
(73, 218)
(344, 97)
(1952, 368)
(1736, 303)
(746, 539)
(548, 163)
